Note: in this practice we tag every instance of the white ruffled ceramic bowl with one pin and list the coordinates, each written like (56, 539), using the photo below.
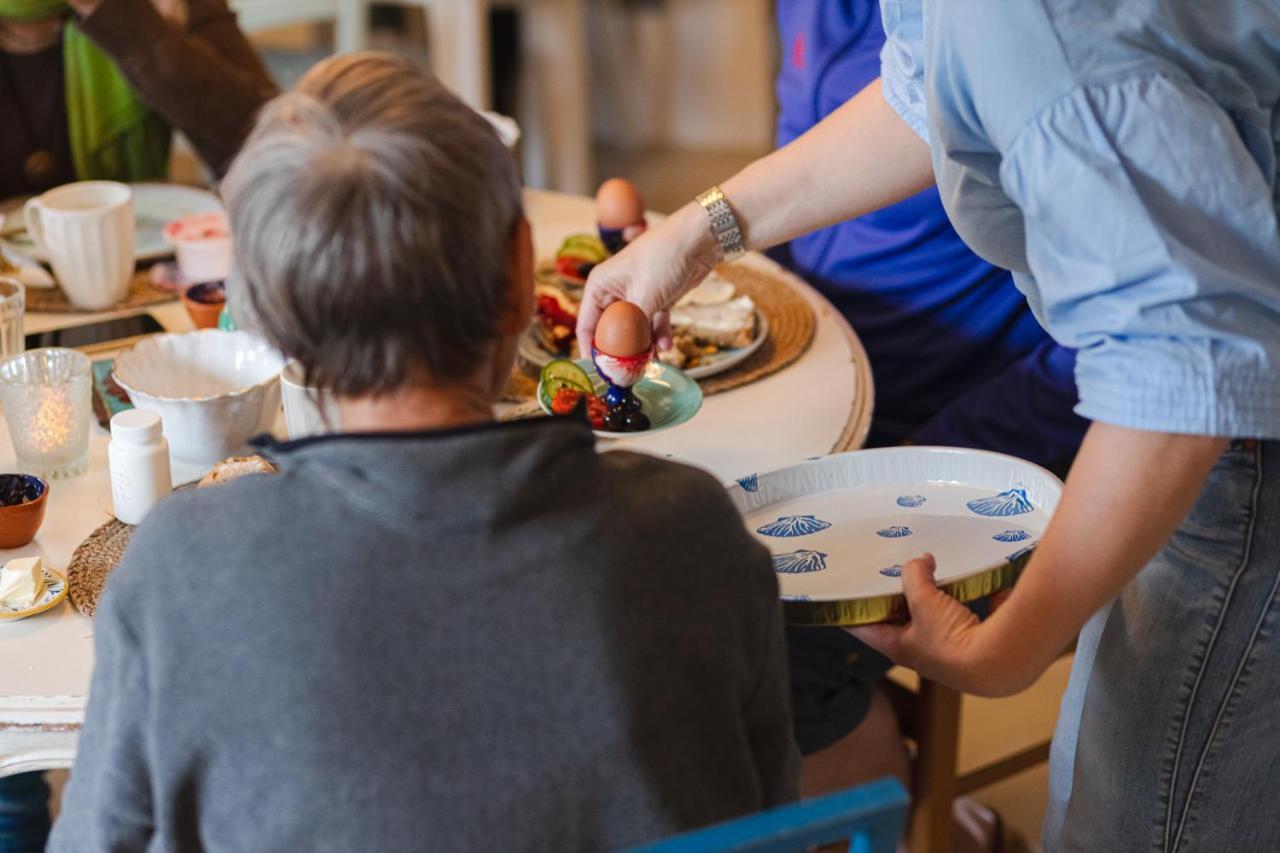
(213, 390)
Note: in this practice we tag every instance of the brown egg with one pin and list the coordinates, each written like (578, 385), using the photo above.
(618, 204)
(623, 330)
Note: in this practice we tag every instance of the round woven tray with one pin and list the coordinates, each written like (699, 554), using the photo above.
(93, 561)
(141, 292)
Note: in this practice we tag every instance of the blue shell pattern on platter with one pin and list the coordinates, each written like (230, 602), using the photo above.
(894, 571)
(1012, 502)
(799, 562)
(911, 501)
(894, 532)
(750, 483)
(1012, 535)
(1020, 553)
(796, 598)
(793, 525)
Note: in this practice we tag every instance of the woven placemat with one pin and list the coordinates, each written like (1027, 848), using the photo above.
(142, 291)
(95, 558)
(93, 561)
(791, 327)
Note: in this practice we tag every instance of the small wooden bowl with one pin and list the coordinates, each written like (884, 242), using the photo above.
(22, 501)
(204, 302)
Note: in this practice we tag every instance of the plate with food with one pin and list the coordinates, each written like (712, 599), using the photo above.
(154, 207)
(841, 527)
(624, 388)
(666, 396)
(28, 587)
(715, 327)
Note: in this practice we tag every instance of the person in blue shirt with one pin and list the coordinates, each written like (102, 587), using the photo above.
(1122, 159)
(953, 346)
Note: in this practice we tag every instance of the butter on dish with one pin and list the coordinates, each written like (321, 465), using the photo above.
(21, 582)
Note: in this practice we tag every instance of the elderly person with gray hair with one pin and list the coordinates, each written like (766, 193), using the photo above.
(430, 631)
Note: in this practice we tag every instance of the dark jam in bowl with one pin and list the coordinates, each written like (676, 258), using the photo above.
(209, 293)
(17, 489)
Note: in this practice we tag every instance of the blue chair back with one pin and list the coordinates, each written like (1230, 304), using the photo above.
(870, 817)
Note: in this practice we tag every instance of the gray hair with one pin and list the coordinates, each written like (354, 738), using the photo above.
(371, 210)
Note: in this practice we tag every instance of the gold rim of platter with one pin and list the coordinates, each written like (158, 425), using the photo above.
(884, 608)
(40, 608)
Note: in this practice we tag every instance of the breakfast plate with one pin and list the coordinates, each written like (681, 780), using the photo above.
(841, 527)
(154, 206)
(668, 396)
(55, 589)
(532, 351)
(724, 359)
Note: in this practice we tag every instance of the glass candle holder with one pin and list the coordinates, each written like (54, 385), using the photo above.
(47, 399)
(13, 298)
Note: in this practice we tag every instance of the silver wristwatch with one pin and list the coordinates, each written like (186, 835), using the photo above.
(724, 225)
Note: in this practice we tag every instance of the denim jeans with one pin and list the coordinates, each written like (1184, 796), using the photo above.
(24, 813)
(1169, 733)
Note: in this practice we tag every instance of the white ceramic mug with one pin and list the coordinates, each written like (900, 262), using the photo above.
(86, 231)
(307, 411)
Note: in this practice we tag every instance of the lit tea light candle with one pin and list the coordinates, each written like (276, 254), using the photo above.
(46, 394)
(53, 423)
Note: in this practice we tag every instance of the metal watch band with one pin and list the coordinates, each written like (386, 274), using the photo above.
(724, 225)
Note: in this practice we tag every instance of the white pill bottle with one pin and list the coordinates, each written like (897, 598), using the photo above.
(138, 459)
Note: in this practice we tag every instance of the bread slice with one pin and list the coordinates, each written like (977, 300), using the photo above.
(234, 468)
(728, 325)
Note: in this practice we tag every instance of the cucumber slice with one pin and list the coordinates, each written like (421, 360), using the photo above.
(563, 373)
(584, 246)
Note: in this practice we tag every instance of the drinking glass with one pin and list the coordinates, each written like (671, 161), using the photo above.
(46, 394)
(13, 300)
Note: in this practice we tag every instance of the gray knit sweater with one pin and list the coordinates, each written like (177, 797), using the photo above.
(483, 639)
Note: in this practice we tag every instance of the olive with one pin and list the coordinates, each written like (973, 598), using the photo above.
(615, 421)
(631, 404)
(637, 422)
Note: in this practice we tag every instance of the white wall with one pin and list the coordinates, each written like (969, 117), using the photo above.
(697, 74)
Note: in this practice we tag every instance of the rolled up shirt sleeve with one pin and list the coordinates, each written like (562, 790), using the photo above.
(902, 62)
(1151, 236)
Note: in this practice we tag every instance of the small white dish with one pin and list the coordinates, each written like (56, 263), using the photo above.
(202, 245)
(213, 390)
(55, 589)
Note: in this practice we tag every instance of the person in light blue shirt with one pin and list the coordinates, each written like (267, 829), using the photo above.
(1120, 157)
(953, 347)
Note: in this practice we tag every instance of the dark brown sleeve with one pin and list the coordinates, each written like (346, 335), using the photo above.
(206, 80)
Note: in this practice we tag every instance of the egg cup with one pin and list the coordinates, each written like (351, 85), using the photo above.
(612, 238)
(620, 373)
(616, 239)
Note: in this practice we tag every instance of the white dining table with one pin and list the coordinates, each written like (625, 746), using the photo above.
(818, 405)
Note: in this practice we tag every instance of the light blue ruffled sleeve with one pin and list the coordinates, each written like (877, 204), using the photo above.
(902, 62)
(1151, 233)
